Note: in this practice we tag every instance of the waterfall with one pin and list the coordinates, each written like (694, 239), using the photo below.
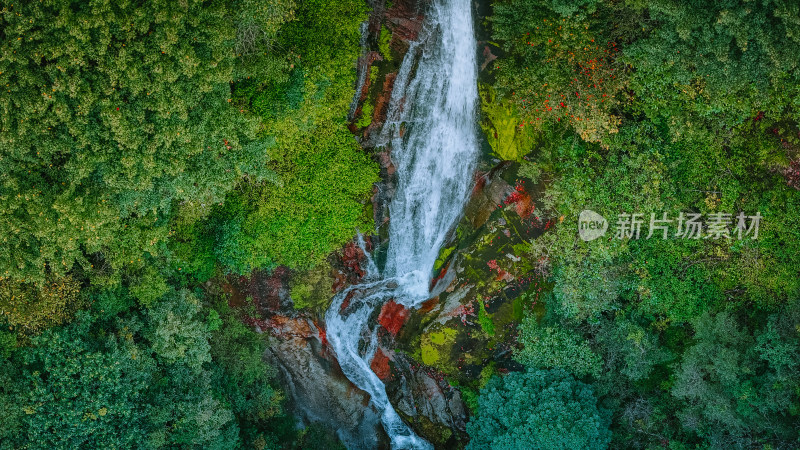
(431, 129)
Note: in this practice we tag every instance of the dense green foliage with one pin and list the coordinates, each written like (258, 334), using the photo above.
(707, 67)
(123, 123)
(150, 152)
(111, 113)
(665, 107)
(139, 379)
(146, 148)
(323, 176)
(547, 347)
(538, 409)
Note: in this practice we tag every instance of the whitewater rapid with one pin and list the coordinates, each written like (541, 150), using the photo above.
(431, 128)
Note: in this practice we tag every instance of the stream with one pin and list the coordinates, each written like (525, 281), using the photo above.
(431, 128)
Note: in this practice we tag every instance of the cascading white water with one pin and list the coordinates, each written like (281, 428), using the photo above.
(431, 128)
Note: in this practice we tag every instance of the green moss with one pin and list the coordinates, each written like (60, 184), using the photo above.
(430, 354)
(445, 336)
(485, 320)
(366, 115)
(436, 433)
(470, 397)
(383, 44)
(486, 374)
(312, 289)
(509, 140)
(443, 255)
(367, 108)
(433, 343)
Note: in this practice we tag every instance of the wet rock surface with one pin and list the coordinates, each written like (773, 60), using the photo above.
(318, 390)
(426, 401)
(439, 355)
(466, 332)
(432, 359)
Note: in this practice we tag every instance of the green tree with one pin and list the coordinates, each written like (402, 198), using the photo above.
(247, 382)
(703, 69)
(76, 392)
(97, 383)
(630, 349)
(562, 65)
(111, 112)
(30, 309)
(538, 409)
(178, 332)
(549, 347)
(731, 397)
(325, 177)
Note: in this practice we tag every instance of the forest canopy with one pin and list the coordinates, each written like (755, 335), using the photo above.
(158, 156)
(146, 148)
(661, 107)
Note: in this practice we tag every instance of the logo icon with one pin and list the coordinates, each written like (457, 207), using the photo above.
(591, 225)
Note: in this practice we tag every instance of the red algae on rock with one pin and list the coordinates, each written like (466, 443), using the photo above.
(393, 316)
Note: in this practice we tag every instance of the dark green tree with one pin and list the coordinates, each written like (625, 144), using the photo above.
(739, 391)
(141, 380)
(554, 347)
(74, 391)
(538, 409)
(704, 68)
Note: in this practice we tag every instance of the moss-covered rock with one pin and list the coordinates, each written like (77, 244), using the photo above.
(312, 290)
(484, 283)
(507, 134)
(436, 346)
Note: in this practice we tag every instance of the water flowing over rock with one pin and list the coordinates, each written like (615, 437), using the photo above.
(431, 126)
(431, 129)
(319, 390)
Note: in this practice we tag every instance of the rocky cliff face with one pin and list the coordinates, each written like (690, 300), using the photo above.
(444, 352)
(433, 359)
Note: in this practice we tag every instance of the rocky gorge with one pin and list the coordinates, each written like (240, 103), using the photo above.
(432, 359)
